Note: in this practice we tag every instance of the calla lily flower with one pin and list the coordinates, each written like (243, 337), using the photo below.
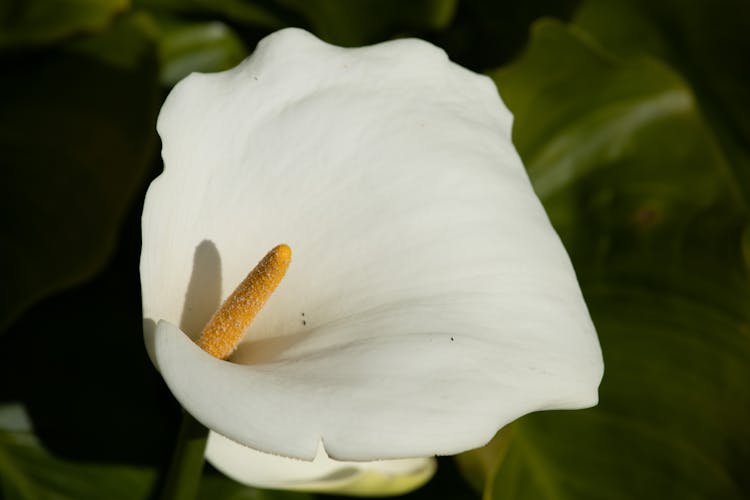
(428, 302)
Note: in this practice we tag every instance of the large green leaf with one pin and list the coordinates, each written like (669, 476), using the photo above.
(37, 22)
(360, 22)
(706, 42)
(644, 199)
(588, 125)
(77, 135)
(29, 472)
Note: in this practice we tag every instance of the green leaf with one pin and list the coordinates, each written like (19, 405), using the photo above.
(486, 34)
(671, 422)
(598, 123)
(479, 466)
(38, 22)
(638, 187)
(706, 42)
(623, 28)
(29, 472)
(244, 12)
(217, 487)
(360, 22)
(185, 47)
(77, 135)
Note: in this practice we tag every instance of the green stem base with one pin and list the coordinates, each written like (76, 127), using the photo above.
(184, 474)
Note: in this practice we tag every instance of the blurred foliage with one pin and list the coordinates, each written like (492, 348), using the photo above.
(707, 43)
(646, 202)
(76, 134)
(358, 22)
(188, 46)
(631, 116)
(28, 471)
(241, 12)
(39, 22)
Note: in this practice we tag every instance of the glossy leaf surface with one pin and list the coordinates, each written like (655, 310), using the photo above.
(634, 180)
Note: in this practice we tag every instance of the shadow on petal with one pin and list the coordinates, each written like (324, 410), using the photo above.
(265, 350)
(203, 295)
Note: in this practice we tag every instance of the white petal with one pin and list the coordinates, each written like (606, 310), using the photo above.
(387, 477)
(429, 301)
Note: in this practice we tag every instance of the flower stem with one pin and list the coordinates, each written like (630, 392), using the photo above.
(184, 474)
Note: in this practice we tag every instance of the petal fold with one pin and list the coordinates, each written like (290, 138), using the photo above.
(382, 477)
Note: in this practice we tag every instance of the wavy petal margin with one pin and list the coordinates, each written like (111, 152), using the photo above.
(429, 301)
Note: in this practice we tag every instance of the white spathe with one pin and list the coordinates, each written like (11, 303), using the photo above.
(429, 301)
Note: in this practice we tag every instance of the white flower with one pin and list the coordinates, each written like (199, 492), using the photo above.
(429, 301)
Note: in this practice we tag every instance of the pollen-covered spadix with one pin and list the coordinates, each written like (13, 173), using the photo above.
(430, 301)
(226, 328)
